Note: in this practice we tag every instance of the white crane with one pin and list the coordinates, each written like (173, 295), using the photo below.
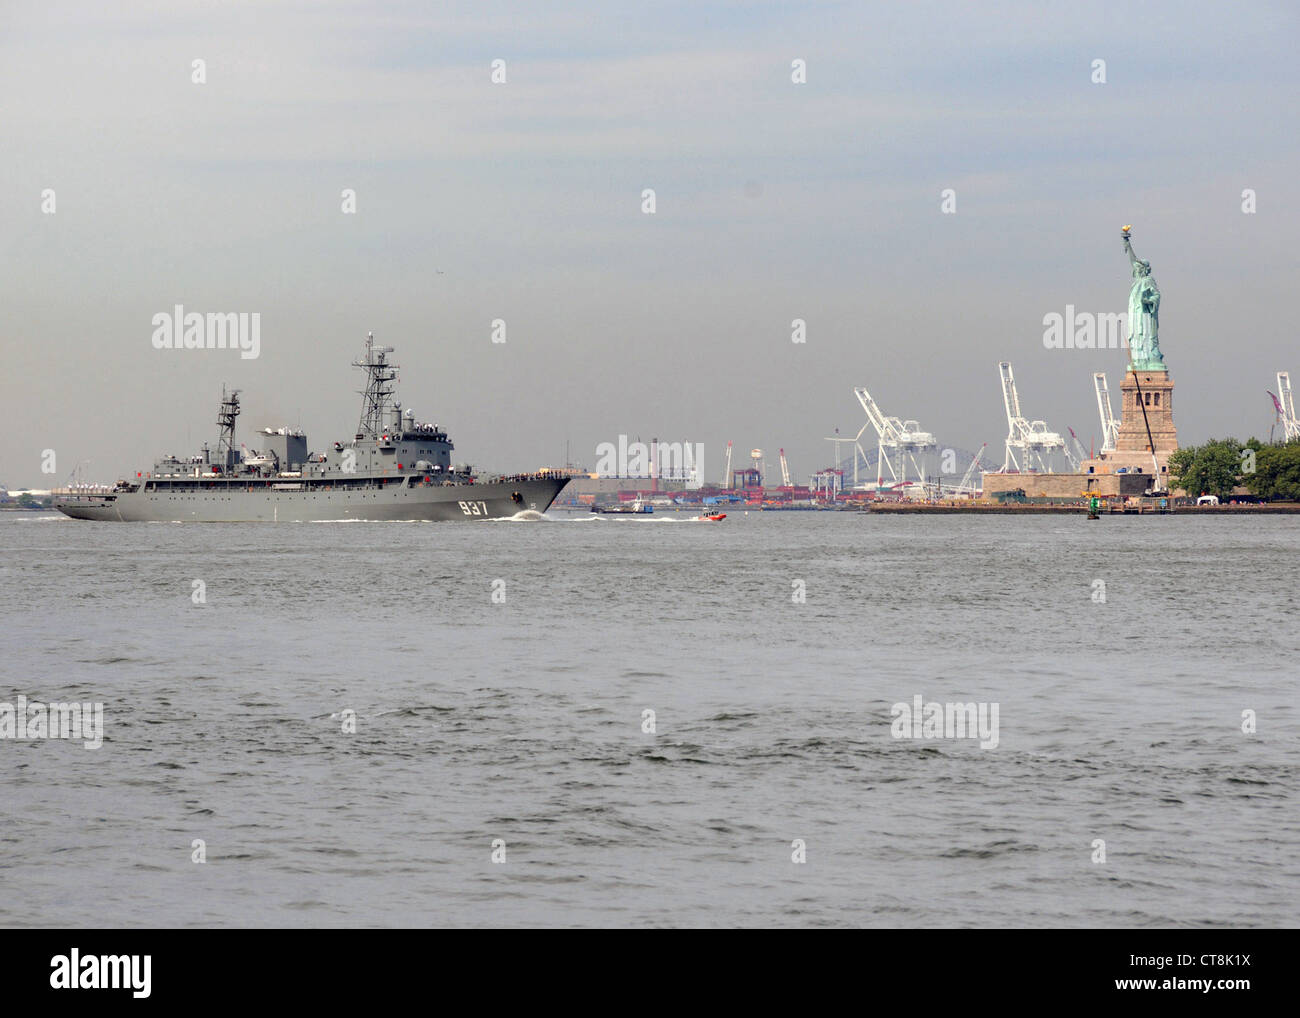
(1031, 438)
(1284, 401)
(967, 487)
(1109, 426)
(1076, 453)
(726, 473)
(785, 470)
(903, 440)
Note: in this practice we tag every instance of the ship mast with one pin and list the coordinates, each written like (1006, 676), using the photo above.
(380, 375)
(226, 455)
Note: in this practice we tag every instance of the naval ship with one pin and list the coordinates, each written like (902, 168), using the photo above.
(392, 469)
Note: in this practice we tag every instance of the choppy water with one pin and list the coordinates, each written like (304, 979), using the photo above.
(523, 721)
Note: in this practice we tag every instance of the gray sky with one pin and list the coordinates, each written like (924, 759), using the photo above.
(775, 201)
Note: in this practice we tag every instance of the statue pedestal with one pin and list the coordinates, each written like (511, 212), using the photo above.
(1157, 396)
(1132, 447)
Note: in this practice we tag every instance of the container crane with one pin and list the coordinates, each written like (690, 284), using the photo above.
(899, 441)
(1031, 438)
(785, 470)
(1284, 403)
(1076, 454)
(966, 487)
(1109, 426)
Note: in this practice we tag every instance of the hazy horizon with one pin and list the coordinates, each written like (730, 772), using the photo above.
(522, 201)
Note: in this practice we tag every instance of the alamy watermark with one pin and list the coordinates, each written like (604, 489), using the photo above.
(36, 720)
(921, 720)
(75, 971)
(1084, 330)
(230, 330)
(677, 461)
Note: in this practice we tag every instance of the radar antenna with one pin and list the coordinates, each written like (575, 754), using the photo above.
(227, 451)
(378, 393)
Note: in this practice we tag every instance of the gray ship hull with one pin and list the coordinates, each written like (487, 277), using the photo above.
(223, 502)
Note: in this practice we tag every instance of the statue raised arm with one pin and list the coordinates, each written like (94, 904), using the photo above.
(1128, 248)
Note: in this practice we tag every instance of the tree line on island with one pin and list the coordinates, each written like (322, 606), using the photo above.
(1217, 467)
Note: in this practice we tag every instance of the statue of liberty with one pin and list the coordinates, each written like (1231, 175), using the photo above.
(1143, 315)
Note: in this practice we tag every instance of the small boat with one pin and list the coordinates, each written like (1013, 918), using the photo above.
(635, 507)
(715, 517)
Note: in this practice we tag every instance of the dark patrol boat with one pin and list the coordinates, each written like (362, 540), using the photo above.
(393, 469)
